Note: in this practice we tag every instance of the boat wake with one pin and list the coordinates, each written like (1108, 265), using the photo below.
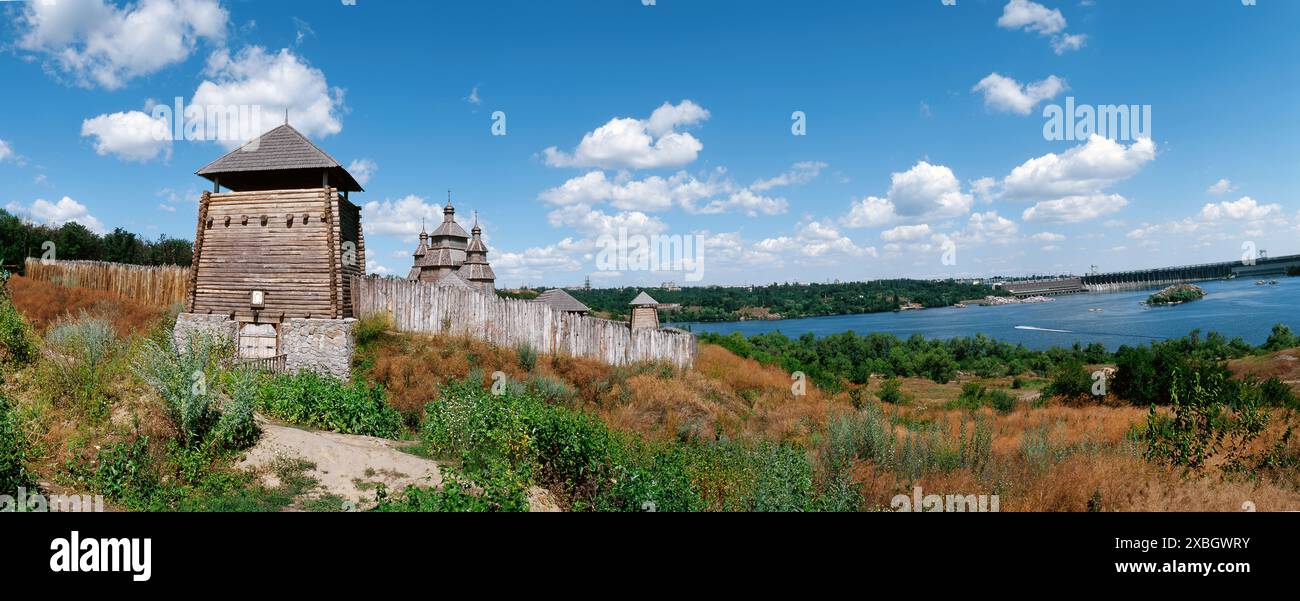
(1035, 329)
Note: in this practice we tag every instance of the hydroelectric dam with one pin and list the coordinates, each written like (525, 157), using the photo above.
(1142, 279)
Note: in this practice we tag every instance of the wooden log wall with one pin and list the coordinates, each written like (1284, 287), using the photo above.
(427, 308)
(154, 285)
(285, 242)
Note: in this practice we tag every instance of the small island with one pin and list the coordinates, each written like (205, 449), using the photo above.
(1176, 295)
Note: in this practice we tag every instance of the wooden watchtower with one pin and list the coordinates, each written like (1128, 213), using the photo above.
(283, 241)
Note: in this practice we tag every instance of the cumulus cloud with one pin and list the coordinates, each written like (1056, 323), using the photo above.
(401, 217)
(58, 213)
(799, 173)
(627, 143)
(1005, 94)
(273, 82)
(97, 44)
(906, 232)
(130, 136)
(1047, 237)
(1033, 17)
(1072, 187)
(1075, 209)
(814, 239)
(712, 195)
(595, 222)
(1242, 209)
(928, 190)
(869, 212)
(362, 170)
(1222, 186)
(7, 153)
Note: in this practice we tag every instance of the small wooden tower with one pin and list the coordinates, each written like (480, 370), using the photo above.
(645, 312)
(281, 244)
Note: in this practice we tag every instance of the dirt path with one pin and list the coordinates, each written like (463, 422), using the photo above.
(349, 466)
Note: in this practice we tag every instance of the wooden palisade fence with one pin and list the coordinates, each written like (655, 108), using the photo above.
(428, 308)
(163, 285)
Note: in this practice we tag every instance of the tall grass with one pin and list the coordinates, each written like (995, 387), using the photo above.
(13, 452)
(82, 352)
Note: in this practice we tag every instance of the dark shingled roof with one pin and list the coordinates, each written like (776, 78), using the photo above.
(560, 300)
(282, 158)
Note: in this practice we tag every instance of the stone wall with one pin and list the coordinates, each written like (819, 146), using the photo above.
(323, 345)
(320, 345)
(188, 324)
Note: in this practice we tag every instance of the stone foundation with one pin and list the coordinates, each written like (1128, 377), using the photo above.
(319, 345)
(322, 345)
(218, 326)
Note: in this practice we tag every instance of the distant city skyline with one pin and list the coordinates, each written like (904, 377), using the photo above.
(815, 142)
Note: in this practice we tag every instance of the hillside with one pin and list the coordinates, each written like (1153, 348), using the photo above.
(731, 433)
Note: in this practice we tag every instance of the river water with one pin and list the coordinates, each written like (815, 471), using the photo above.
(1231, 307)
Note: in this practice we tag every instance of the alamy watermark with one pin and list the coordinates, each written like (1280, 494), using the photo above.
(1119, 122)
(655, 252)
(944, 503)
(208, 123)
(35, 502)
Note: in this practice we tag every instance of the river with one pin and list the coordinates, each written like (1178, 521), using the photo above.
(1231, 307)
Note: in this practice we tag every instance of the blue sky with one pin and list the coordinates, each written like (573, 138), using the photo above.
(924, 152)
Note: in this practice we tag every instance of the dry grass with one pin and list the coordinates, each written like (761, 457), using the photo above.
(43, 303)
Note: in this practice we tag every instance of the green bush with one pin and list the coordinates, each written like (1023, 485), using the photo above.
(17, 342)
(1071, 381)
(311, 399)
(527, 356)
(13, 452)
(186, 381)
(371, 326)
(82, 353)
(890, 392)
(508, 442)
(1213, 417)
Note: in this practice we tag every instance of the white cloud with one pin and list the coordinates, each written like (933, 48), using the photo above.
(1083, 170)
(595, 222)
(814, 239)
(928, 190)
(96, 43)
(1075, 209)
(167, 208)
(990, 227)
(541, 263)
(982, 188)
(130, 136)
(6, 151)
(377, 269)
(274, 83)
(1031, 16)
(1067, 42)
(1222, 186)
(1047, 237)
(799, 173)
(402, 217)
(58, 213)
(362, 170)
(654, 194)
(1008, 95)
(638, 143)
(906, 232)
(869, 212)
(1242, 209)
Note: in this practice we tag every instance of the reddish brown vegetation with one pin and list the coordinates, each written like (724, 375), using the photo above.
(43, 303)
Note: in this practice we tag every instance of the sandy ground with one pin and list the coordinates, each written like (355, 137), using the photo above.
(350, 466)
